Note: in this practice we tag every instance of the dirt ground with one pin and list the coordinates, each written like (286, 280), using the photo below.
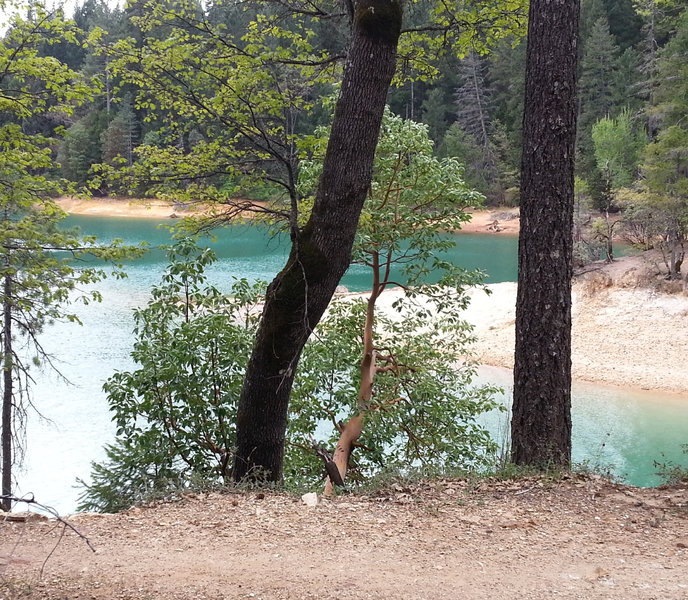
(581, 538)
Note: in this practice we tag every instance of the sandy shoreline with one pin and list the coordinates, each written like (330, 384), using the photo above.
(121, 207)
(623, 334)
(611, 344)
(497, 221)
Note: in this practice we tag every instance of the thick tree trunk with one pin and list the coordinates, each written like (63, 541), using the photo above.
(321, 251)
(541, 422)
(6, 433)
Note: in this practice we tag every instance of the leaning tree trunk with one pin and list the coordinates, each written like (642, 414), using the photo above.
(541, 422)
(6, 434)
(321, 251)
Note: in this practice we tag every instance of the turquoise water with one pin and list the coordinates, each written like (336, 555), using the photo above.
(618, 431)
(252, 252)
(614, 428)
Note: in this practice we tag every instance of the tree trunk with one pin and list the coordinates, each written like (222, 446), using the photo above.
(321, 251)
(541, 422)
(350, 433)
(6, 434)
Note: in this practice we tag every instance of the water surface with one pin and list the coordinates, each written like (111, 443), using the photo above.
(613, 427)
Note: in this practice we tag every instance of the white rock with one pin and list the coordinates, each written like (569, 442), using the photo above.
(310, 499)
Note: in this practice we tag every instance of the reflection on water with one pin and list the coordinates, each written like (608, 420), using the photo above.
(617, 428)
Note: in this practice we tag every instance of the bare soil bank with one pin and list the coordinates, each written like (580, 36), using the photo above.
(582, 538)
(626, 331)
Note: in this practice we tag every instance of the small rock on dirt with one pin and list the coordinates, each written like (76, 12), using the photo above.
(310, 499)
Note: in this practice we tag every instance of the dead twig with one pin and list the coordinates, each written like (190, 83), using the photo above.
(31, 501)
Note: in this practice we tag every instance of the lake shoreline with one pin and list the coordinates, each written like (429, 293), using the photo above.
(624, 334)
(497, 221)
(607, 303)
(625, 337)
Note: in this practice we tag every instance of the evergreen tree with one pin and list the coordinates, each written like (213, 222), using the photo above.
(36, 280)
(473, 115)
(665, 164)
(463, 146)
(625, 24)
(435, 114)
(596, 92)
(507, 67)
(119, 138)
(81, 146)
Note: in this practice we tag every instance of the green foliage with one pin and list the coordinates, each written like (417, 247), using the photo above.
(462, 146)
(175, 413)
(424, 407)
(617, 148)
(597, 75)
(37, 269)
(666, 164)
(119, 137)
(245, 92)
(81, 147)
(247, 77)
(414, 198)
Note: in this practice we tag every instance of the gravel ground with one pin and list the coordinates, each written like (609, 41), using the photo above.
(580, 538)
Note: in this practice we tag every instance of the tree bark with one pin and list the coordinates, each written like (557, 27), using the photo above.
(321, 251)
(541, 421)
(6, 434)
(352, 430)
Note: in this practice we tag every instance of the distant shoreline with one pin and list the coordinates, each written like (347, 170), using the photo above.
(498, 221)
(606, 323)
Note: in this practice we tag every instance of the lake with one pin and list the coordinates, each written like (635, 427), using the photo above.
(619, 429)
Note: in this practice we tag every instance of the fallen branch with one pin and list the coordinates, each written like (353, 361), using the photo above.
(30, 501)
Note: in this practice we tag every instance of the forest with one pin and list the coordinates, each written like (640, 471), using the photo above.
(268, 107)
(286, 438)
(630, 148)
(630, 143)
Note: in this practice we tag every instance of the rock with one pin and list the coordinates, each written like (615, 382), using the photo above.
(23, 517)
(341, 290)
(310, 499)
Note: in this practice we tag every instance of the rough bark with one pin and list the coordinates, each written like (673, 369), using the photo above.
(321, 251)
(6, 433)
(541, 422)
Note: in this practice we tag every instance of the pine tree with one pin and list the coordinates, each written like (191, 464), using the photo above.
(435, 114)
(119, 138)
(625, 24)
(541, 422)
(596, 92)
